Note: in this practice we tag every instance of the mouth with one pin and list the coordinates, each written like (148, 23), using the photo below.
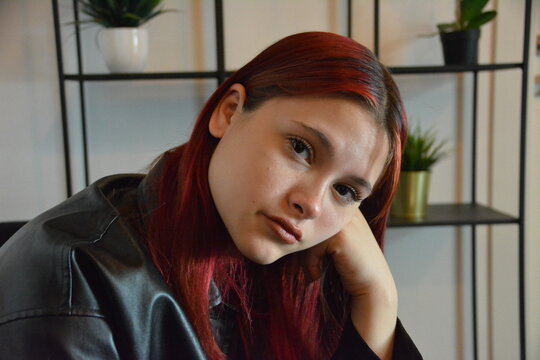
(284, 229)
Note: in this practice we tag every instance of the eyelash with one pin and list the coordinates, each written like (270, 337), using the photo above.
(294, 140)
(356, 196)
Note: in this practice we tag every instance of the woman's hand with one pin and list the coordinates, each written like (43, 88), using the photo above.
(366, 276)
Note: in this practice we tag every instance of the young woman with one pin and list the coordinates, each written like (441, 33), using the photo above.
(245, 243)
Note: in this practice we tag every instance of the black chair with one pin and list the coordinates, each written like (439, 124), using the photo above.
(7, 229)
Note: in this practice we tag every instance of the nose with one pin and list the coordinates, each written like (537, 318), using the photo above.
(306, 201)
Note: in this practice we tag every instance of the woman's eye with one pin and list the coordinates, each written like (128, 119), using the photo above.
(348, 194)
(301, 148)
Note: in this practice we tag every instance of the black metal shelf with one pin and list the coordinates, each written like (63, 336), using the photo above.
(144, 76)
(470, 214)
(453, 68)
(215, 74)
(456, 215)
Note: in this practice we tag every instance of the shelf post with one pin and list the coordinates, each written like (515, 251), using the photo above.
(474, 137)
(81, 93)
(376, 30)
(474, 293)
(473, 227)
(349, 18)
(220, 41)
(522, 162)
(61, 84)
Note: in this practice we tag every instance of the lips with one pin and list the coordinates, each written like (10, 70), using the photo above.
(284, 229)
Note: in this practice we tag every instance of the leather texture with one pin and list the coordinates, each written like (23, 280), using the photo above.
(77, 282)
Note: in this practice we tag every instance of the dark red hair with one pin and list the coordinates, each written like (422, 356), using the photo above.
(290, 317)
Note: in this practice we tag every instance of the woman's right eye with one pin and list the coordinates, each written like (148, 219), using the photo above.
(301, 148)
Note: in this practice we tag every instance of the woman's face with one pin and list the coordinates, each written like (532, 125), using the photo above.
(291, 173)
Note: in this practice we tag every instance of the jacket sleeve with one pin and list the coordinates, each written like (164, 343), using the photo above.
(57, 337)
(352, 346)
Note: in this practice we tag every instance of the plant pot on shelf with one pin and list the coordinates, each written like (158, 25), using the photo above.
(411, 197)
(460, 47)
(125, 49)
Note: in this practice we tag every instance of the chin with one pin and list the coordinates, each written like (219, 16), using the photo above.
(261, 256)
(265, 261)
(262, 259)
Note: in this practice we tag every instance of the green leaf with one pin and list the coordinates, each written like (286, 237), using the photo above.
(145, 7)
(422, 150)
(481, 19)
(131, 20)
(447, 27)
(119, 13)
(471, 9)
(159, 12)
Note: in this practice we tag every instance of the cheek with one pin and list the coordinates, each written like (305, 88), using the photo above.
(262, 179)
(274, 173)
(267, 174)
(332, 221)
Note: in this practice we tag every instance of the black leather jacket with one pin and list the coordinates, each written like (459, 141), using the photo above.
(77, 282)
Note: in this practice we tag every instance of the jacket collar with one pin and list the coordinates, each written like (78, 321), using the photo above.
(148, 202)
(148, 192)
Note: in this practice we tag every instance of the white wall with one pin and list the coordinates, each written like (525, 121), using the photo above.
(30, 135)
(129, 123)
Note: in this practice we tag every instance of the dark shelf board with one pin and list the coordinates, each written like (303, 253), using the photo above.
(456, 214)
(144, 76)
(214, 74)
(453, 68)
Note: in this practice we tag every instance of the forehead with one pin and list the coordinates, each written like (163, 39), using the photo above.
(342, 119)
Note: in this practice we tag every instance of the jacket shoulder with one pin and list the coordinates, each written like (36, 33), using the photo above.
(41, 265)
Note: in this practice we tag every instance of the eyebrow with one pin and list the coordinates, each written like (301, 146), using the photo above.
(320, 135)
(330, 148)
(362, 182)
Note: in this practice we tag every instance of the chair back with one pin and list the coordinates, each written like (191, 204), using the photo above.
(7, 229)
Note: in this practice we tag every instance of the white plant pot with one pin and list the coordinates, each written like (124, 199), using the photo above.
(125, 49)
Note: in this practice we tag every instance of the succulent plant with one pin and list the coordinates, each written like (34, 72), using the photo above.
(121, 13)
(469, 16)
(422, 150)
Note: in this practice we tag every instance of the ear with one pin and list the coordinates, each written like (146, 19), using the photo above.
(229, 107)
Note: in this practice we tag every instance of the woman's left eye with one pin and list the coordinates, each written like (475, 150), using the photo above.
(348, 193)
(301, 148)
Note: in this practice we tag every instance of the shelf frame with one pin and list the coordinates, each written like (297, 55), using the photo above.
(448, 69)
(456, 215)
(144, 76)
(398, 70)
(524, 66)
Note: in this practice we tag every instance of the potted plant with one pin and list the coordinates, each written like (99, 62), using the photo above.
(422, 151)
(460, 38)
(123, 42)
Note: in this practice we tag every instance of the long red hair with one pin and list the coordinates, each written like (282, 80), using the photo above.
(290, 317)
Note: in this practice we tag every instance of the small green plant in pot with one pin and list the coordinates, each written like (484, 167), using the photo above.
(460, 38)
(121, 13)
(422, 151)
(123, 42)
